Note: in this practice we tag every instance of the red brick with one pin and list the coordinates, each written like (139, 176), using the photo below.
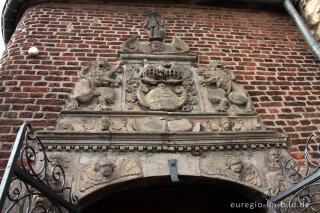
(25, 115)
(51, 108)
(50, 102)
(10, 115)
(35, 89)
(4, 155)
(271, 104)
(32, 108)
(306, 128)
(43, 123)
(5, 129)
(10, 122)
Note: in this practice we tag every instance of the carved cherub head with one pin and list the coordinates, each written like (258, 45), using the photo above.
(225, 124)
(235, 165)
(105, 167)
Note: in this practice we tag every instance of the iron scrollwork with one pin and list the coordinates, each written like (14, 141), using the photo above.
(299, 189)
(33, 183)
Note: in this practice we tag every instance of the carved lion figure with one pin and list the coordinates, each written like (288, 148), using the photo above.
(95, 86)
(225, 90)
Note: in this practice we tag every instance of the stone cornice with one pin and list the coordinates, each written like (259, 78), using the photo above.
(160, 142)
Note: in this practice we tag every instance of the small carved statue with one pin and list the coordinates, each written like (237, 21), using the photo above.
(155, 27)
(96, 85)
(224, 90)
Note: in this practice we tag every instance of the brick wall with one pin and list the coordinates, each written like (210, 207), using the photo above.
(263, 48)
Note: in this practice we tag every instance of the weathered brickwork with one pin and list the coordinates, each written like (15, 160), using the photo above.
(263, 48)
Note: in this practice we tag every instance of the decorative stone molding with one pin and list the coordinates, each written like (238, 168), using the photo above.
(163, 142)
(97, 171)
(125, 121)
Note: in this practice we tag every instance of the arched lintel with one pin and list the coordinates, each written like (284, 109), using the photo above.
(253, 194)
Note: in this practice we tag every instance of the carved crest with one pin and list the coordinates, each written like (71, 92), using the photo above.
(161, 88)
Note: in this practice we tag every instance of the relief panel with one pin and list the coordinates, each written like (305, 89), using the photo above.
(161, 86)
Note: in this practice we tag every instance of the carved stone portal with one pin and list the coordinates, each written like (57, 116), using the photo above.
(163, 107)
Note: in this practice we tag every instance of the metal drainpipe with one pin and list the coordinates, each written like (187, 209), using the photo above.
(312, 42)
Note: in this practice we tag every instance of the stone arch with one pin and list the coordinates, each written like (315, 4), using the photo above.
(143, 194)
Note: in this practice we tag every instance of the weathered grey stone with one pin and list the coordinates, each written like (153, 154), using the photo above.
(150, 124)
(182, 125)
(162, 98)
(157, 165)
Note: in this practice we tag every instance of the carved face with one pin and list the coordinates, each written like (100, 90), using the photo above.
(105, 167)
(236, 165)
(274, 157)
(225, 123)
